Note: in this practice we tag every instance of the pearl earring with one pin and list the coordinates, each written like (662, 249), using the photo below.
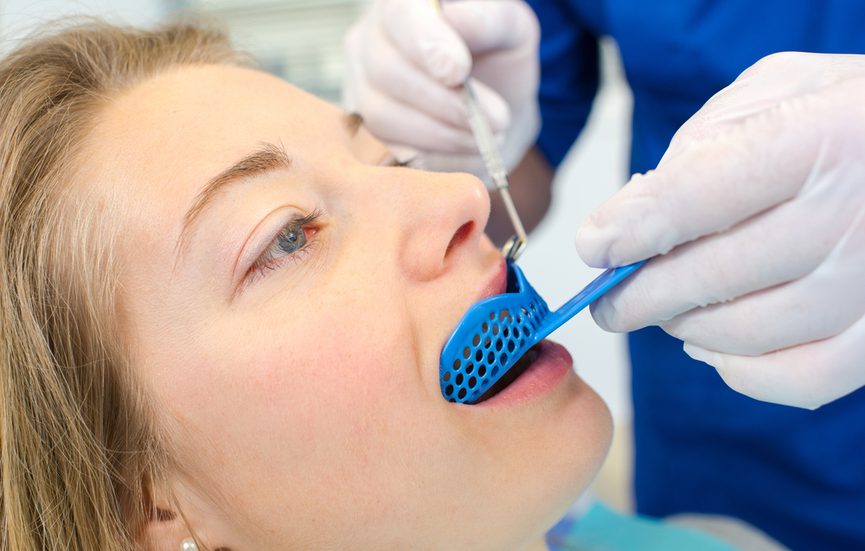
(188, 545)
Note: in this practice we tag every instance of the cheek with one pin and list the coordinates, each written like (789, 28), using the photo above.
(303, 393)
(284, 406)
(332, 370)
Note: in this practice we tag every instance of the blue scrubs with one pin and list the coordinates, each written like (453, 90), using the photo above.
(700, 447)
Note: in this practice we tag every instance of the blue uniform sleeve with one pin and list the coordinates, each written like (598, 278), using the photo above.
(569, 76)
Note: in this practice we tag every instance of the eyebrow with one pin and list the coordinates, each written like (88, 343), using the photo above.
(268, 157)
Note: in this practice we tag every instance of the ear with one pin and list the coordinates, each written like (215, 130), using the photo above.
(166, 527)
(178, 512)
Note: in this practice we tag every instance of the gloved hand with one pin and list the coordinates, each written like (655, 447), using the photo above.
(758, 211)
(405, 60)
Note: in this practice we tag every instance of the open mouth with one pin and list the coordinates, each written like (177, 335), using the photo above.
(512, 375)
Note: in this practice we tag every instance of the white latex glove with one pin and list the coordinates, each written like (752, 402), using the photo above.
(405, 60)
(758, 208)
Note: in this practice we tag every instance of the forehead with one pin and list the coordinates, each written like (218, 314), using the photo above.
(153, 147)
(187, 123)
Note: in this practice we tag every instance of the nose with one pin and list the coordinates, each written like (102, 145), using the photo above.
(443, 219)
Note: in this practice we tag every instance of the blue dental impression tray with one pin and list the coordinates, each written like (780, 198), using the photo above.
(497, 331)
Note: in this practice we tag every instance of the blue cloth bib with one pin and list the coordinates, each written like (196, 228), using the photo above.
(700, 447)
(602, 529)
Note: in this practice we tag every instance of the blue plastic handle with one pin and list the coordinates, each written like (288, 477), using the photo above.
(593, 291)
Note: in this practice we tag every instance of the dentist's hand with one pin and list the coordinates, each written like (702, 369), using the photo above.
(405, 60)
(758, 208)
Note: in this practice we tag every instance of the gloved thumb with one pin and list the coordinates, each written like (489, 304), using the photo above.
(418, 29)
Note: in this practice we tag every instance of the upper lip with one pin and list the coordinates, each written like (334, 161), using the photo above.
(497, 284)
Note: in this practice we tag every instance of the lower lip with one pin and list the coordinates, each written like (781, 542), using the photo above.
(545, 373)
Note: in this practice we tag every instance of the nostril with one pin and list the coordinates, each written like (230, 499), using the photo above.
(459, 236)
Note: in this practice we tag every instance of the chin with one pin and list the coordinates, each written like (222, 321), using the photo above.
(558, 458)
(585, 435)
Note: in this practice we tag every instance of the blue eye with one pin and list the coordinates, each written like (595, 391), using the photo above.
(289, 244)
(292, 238)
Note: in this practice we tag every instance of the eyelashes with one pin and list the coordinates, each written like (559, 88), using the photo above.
(293, 243)
(296, 240)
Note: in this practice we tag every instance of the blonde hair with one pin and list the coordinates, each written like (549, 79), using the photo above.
(78, 445)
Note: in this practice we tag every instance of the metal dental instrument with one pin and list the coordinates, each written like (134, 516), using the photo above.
(492, 159)
(495, 168)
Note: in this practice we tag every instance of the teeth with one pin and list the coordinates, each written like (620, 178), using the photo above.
(513, 373)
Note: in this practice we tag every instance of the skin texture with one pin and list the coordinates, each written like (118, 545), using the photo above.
(302, 404)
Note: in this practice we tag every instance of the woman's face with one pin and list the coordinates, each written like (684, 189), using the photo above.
(287, 316)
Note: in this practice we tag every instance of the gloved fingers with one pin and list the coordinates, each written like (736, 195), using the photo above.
(492, 26)
(818, 306)
(503, 36)
(453, 162)
(392, 75)
(770, 81)
(821, 304)
(783, 75)
(418, 29)
(494, 107)
(707, 188)
(403, 55)
(388, 70)
(396, 123)
(806, 376)
(780, 245)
